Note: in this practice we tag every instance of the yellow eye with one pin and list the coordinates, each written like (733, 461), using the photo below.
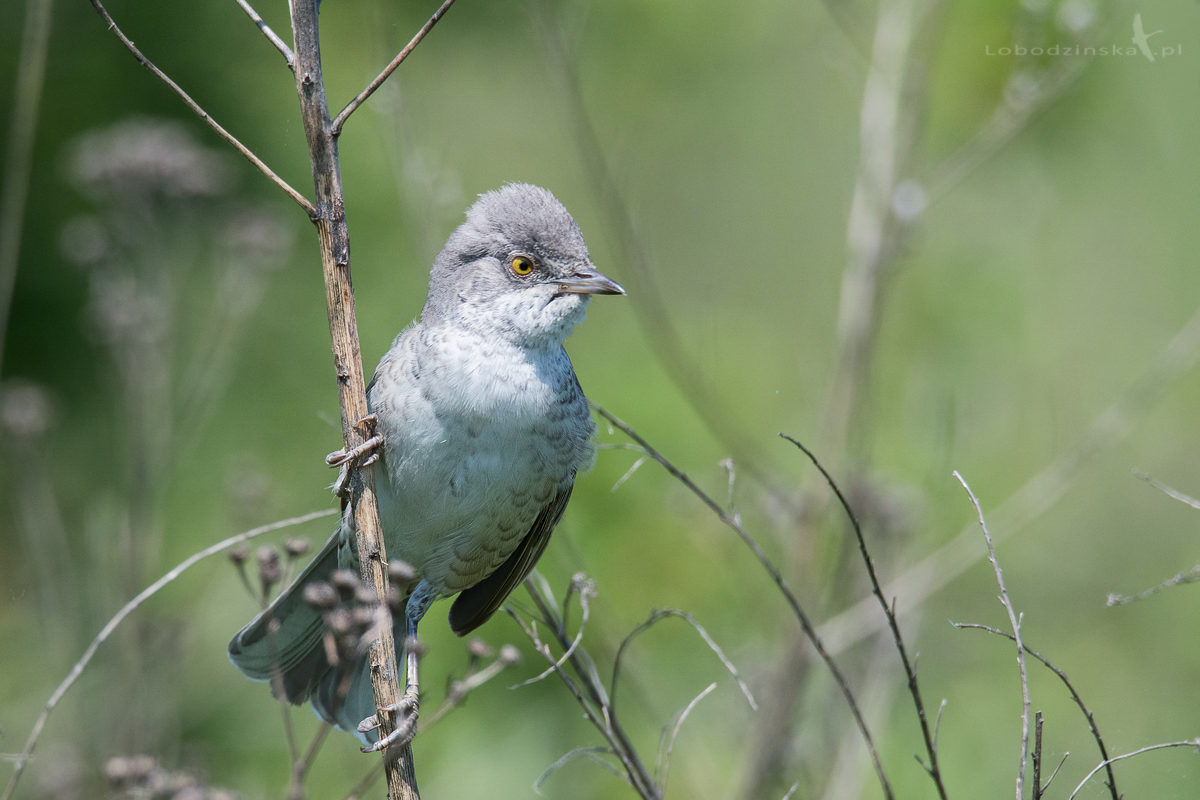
(522, 265)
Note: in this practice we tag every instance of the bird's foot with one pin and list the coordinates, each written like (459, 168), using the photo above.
(345, 458)
(407, 711)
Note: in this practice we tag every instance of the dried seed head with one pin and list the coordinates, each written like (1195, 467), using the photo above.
(364, 617)
(296, 547)
(478, 648)
(129, 770)
(581, 583)
(269, 569)
(239, 554)
(395, 600)
(149, 159)
(320, 595)
(339, 621)
(185, 788)
(365, 595)
(345, 581)
(401, 573)
(25, 409)
(509, 654)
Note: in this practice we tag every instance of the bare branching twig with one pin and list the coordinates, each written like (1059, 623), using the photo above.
(733, 523)
(1087, 713)
(339, 121)
(1169, 491)
(1043, 489)
(1014, 620)
(889, 613)
(1178, 579)
(670, 733)
(329, 216)
(1185, 743)
(272, 37)
(587, 689)
(665, 613)
(23, 757)
(233, 141)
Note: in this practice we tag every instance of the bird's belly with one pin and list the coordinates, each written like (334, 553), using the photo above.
(458, 515)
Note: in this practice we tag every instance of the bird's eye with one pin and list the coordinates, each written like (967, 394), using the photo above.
(522, 266)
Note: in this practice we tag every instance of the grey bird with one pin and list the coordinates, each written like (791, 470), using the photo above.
(483, 427)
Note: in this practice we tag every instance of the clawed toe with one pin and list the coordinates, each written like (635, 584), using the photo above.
(340, 458)
(406, 724)
(366, 425)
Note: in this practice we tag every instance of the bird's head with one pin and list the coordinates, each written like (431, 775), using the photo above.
(517, 268)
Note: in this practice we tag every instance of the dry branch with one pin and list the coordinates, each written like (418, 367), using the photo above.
(249, 154)
(1087, 713)
(1014, 620)
(733, 523)
(23, 757)
(329, 216)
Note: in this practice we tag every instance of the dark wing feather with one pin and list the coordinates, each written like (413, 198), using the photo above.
(473, 606)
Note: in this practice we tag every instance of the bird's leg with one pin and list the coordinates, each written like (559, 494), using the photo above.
(408, 707)
(345, 458)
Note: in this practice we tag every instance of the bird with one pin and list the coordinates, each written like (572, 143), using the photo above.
(482, 426)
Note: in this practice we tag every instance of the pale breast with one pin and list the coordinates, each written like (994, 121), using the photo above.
(479, 438)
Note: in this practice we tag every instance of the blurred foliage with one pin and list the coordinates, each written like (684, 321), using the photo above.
(166, 379)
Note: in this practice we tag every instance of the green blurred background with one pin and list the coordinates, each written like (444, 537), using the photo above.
(167, 382)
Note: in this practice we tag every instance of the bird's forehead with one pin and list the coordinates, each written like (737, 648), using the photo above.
(528, 218)
(550, 238)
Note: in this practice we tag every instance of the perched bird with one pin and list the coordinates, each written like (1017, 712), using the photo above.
(483, 427)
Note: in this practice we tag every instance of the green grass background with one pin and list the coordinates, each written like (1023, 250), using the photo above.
(1026, 300)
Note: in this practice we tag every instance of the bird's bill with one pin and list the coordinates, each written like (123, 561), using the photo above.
(589, 282)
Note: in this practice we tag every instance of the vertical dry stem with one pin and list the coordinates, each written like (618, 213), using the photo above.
(330, 219)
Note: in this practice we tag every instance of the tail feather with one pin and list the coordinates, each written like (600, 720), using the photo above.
(287, 638)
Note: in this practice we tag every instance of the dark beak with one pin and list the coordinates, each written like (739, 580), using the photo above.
(589, 281)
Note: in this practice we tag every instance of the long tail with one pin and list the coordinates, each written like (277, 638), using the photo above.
(294, 652)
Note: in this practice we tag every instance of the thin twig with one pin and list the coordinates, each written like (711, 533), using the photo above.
(806, 625)
(1087, 713)
(1191, 576)
(660, 614)
(272, 37)
(889, 612)
(333, 234)
(1014, 620)
(1038, 494)
(590, 753)
(461, 688)
(340, 120)
(594, 706)
(301, 766)
(596, 703)
(458, 693)
(888, 135)
(1174, 494)
(21, 759)
(842, 772)
(1057, 767)
(1185, 743)
(570, 650)
(667, 743)
(249, 155)
(1037, 756)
